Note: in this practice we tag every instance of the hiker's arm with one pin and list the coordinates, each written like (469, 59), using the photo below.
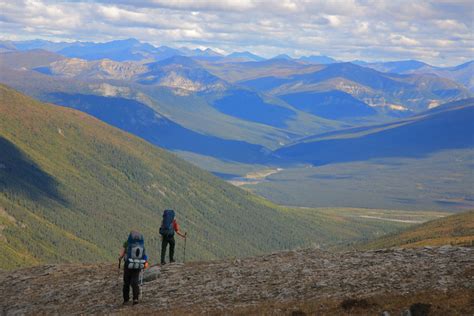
(145, 257)
(176, 229)
(122, 253)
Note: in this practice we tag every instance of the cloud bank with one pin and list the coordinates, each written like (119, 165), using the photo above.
(439, 32)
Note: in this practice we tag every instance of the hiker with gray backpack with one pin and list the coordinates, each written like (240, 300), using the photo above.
(135, 260)
(168, 228)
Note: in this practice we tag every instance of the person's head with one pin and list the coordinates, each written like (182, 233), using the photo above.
(135, 234)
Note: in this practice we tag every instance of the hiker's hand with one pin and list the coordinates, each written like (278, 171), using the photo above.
(146, 265)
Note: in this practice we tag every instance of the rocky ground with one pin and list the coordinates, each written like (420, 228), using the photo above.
(437, 281)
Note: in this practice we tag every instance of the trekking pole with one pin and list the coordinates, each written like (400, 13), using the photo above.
(118, 271)
(120, 261)
(184, 251)
(141, 283)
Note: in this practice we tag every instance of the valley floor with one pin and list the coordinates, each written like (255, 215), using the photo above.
(293, 283)
(440, 181)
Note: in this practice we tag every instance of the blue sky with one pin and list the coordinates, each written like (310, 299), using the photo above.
(439, 32)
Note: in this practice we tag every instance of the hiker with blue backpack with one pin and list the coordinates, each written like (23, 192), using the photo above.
(169, 226)
(135, 260)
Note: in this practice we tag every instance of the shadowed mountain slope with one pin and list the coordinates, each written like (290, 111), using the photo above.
(414, 137)
(137, 118)
(249, 105)
(331, 104)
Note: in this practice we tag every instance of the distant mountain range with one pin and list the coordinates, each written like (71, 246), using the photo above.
(245, 56)
(462, 74)
(132, 49)
(169, 91)
(318, 59)
(390, 93)
(386, 91)
(236, 108)
(118, 50)
(403, 66)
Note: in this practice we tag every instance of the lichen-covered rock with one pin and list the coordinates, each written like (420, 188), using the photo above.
(151, 274)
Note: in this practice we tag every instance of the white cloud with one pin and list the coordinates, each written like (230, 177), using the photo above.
(334, 20)
(435, 31)
(403, 40)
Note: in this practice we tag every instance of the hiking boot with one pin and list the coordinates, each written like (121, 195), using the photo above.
(135, 302)
(126, 302)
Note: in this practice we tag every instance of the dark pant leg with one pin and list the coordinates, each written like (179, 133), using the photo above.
(164, 243)
(134, 280)
(172, 244)
(126, 284)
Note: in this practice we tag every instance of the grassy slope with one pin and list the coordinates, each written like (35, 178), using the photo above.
(71, 187)
(456, 229)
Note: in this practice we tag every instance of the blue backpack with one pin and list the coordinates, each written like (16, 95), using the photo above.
(166, 228)
(136, 256)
